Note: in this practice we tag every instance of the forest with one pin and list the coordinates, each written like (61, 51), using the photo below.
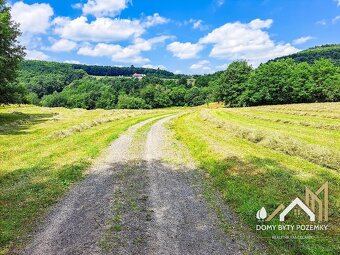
(283, 81)
(328, 51)
(309, 76)
(55, 84)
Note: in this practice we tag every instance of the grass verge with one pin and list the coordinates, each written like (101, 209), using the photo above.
(38, 167)
(250, 176)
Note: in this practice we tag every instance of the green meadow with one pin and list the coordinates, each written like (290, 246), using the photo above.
(264, 156)
(254, 157)
(43, 151)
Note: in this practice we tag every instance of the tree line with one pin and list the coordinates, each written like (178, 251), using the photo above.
(328, 51)
(53, 84)
(123, 71)
(126, 93)
(279, 82)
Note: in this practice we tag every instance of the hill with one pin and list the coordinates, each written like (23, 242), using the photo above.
(45, 66)
(328, 51)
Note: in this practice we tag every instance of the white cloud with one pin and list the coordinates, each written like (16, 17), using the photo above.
(222, 67)
(201, 65)
(336, 19)
(302, 40)
(155, 19)
(33, 19)
(72, 62)
(36, 55)
(130, 54)
(197, 24)
(321, 22)
(338, 1)
(178, 72)
(248, 41)
(219, 2)
(258, 23)
(99, 30)
(63, 45)
(102, 8)
(184, 50)
(154, 66)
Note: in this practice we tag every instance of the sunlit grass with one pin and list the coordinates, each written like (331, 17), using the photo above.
(250, 175)
(38, 164)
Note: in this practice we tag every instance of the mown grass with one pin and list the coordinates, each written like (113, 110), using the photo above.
(42, 152)
(251, 175)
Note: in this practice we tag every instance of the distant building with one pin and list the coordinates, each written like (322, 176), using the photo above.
(138, 76)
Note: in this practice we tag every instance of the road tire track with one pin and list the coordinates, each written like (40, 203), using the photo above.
(134, 201)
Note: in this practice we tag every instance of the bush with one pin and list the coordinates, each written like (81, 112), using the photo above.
(130, 102)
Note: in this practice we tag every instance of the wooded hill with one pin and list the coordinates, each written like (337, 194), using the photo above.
(328, 51)
(43, 66)
(289, 80)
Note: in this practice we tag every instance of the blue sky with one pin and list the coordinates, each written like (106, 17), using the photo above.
(183, 36)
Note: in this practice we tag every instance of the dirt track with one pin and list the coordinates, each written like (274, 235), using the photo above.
(134, 201)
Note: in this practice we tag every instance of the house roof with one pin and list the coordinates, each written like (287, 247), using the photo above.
(138, 75)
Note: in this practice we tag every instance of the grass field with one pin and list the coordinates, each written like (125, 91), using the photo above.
(254, 157)
(43, 151)
(265, 156)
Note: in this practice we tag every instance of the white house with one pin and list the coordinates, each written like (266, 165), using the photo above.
(138, 76)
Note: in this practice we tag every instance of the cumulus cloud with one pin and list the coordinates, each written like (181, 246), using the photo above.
(321, 22)
(99, 30)
(36, 55)
(63, 45)
(154, 66)
(336, 19)
(219, 2)
(258, 23)
(155, 19)
(197, 24)
(130, 54)
(72, 62)
(302, 40)
(102, 8)
(33, 19)
(222, 67)
(184, 50)
(201, 65)
(248, 41)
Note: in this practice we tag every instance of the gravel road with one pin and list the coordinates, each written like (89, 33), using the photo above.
(133, 201)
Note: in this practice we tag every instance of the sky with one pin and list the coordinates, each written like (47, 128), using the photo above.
(182, 36)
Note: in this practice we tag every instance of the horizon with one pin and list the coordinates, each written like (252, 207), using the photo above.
(180, 37)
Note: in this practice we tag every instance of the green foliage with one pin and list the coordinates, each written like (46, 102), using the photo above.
(130, 102)
(329, 51)
(231, 82)
(122, 71)
(87, 93)
(279, 82)
(44, 78)
(10, 56)
(109, 93)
